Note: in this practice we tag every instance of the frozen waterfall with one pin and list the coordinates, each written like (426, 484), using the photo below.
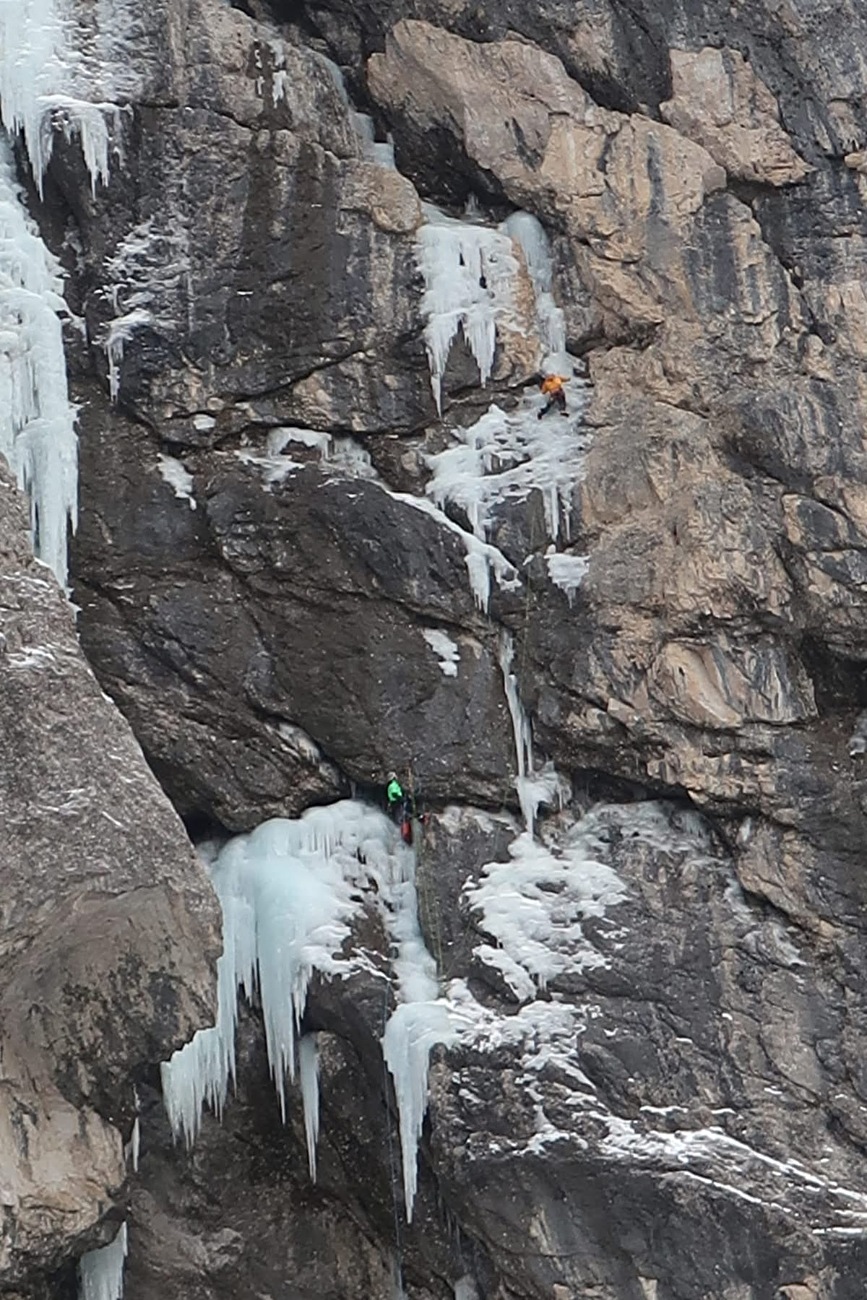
(53, 72)
(288, 892)
(37, 434)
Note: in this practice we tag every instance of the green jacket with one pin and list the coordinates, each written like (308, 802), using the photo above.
(394, 791)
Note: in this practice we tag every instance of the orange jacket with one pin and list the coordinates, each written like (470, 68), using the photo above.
(552, 384)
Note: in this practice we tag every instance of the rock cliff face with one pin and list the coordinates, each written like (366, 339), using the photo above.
(290, 536)
(108, 928)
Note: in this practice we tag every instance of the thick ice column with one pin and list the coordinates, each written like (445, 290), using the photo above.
(413, 1030)
(100, 1272)
(419, 1022)
(37, 434)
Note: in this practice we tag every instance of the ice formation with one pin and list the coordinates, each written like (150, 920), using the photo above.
(149, 273)
(37, 434)
(505, 456)
(378, 151)
(567, 572)
(534, 906)
(483, 560)
(178, 478)
(531, 791)
(529, 233)
(48, 76)
(469, 273)
(288, 891)
(308, 1064)
(100, 1272)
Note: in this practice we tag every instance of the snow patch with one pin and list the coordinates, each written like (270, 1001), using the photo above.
(178, 478)
(447, 649)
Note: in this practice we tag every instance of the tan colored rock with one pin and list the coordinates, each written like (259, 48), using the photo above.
(522, 117)
(719, 102)
(807, 1290)
(387, 197)
(723, 686)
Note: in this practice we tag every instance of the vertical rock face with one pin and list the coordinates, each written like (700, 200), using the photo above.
(300, 564)
(108, 924)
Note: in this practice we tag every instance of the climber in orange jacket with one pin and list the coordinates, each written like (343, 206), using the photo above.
(552, 388)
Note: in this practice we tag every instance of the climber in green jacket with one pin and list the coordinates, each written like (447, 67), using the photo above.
(394, 793)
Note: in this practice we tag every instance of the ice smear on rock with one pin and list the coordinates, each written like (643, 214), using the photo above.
(534, 907)
(37, 434)
(100, 1272)
(447, 650)
(529, 233)
(567, 572)
(482, 558)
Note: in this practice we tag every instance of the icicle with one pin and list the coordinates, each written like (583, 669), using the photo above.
(522, 732)
(133, 1147)
(308, 1064)
(45, 83)
(469, 273)
(418, 1023)
(37, 434)
(413, 1030)
(100, 1272)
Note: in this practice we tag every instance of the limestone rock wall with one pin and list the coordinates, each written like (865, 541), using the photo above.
(257, 572)
(108, 933)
